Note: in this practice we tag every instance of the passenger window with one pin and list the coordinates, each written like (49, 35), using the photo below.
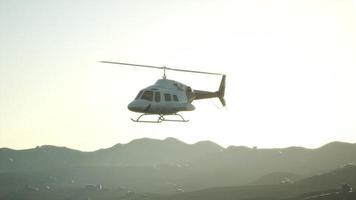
(139, 94)
(167, 97)
(157, 97)
(175, 98)
(147, 95)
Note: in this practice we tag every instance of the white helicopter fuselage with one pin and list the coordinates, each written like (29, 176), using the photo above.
(168, 97)
(164, 97)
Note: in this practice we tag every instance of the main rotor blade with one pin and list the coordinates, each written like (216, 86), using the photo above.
(130, 64)
(167, 68)
(192, 71)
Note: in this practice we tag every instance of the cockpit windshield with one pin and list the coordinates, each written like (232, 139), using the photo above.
(147, 95)
(139, 94)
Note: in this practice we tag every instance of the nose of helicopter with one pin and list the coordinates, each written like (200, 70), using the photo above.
(138, 106)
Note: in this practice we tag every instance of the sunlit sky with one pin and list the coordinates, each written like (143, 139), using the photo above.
(290, 65)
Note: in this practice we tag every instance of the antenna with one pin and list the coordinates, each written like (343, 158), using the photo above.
(164, 68)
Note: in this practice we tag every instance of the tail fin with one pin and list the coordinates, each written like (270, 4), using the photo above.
(221, 92)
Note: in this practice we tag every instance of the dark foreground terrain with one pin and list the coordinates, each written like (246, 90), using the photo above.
(171, 169)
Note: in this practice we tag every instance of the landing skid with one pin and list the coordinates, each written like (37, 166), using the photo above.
(160, 118)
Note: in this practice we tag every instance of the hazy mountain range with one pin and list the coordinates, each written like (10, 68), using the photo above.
(172, 169)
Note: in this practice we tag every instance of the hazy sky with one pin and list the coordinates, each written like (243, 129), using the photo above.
(290, 65)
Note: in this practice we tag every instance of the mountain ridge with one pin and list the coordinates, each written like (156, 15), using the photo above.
(153, 165)
(172, 139)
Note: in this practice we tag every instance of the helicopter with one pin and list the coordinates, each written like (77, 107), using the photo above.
(168, 97)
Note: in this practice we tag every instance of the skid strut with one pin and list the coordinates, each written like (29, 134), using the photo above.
(161, 118)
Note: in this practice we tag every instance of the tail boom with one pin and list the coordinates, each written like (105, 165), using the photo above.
(200, 94)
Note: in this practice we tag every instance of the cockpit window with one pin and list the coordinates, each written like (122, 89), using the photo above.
(167, 97)
(139, 94)
(147, 95)
(157, 96)
(175, 98)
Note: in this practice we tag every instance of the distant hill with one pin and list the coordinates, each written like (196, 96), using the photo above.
(170, 165)
(140, 152)
(277, 178)
(321, 187)
(333, 179)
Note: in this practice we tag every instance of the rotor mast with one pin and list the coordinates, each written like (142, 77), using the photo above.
(164, 72)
